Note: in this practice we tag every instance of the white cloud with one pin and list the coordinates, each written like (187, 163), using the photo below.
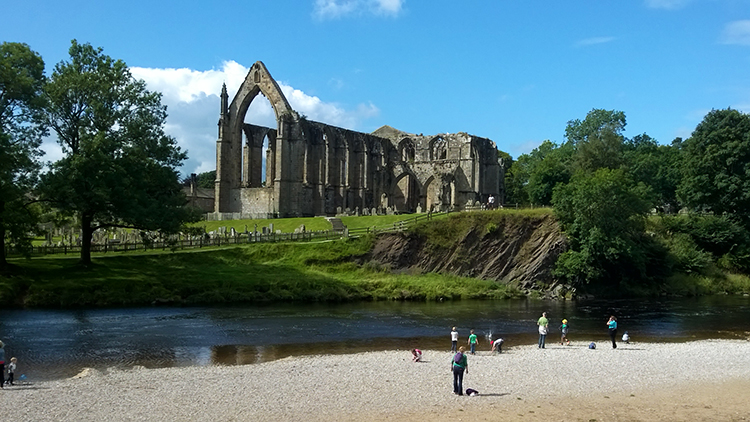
(389, 7)
(737, 32)
(192, 99)
(334, 9)
(666, 4)
(594, 41)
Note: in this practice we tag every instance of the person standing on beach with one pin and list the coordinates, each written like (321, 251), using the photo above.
(11, 370)
(473, 342)
(564, 331)
(543, 323)
(454, 340)
(612, 326)
(459, 365)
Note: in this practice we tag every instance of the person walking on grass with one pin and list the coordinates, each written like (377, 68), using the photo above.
(459, 366)
(454, 340)
(473, 341)
(612, 327)
(543, 324)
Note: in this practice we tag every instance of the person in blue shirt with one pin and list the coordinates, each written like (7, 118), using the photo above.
(612, 326)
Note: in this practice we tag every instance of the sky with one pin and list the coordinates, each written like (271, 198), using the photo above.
(512, 71)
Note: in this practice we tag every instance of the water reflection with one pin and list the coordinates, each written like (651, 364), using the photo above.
(53, 344)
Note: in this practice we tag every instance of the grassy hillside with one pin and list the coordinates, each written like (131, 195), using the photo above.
(323, 271)
(254, 273)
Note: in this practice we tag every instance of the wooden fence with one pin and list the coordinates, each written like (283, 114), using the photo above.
(181, 243)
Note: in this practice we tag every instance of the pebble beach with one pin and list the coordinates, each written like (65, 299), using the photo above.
(701, 380)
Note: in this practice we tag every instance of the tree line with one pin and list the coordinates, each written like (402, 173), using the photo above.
(637, 212)
(118, 167)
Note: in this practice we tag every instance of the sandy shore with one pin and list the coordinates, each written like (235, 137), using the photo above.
(703, 380)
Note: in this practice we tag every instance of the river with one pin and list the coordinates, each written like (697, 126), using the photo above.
(52, 344)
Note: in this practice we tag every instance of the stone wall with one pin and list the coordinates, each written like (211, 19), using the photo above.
(312, 168)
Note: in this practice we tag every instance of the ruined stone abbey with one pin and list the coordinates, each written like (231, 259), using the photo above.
(314, 169)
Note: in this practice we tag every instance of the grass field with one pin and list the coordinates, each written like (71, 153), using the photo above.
(307, 272)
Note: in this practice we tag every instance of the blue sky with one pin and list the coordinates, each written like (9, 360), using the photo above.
(512, 71)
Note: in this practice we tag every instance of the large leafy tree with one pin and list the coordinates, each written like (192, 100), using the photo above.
(656, 166)
(21, 130)
(598, 139)
(532, 177)
(207, 179)
(716, 165)
(119, 167)
(516, 180)
(553, 168)
(603, 214)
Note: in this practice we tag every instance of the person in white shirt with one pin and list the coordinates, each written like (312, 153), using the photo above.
(11, 370)
(454, 340)
(498, 345)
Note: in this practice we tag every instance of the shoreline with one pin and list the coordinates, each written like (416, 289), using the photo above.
(701, 380)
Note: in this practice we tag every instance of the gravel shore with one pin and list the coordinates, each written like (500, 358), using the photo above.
(388, 386)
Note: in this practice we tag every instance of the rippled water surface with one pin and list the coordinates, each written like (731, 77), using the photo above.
(54, 344)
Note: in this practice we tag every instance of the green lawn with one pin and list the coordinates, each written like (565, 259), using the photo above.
(306, 272)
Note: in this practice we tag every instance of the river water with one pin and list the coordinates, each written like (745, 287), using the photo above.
(51, 344)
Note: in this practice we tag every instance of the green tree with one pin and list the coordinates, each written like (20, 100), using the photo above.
(21, 130)
(207, 180)
(532, 177)
(516, 180)
(119, 168)
(552, 168)
(598, 139)
(716, 165)
(656, 166)
(603, 215)
(507, 162)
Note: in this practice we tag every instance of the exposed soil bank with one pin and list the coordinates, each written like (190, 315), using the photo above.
(505, 248)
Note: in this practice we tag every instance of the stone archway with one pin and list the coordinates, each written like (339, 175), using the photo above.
(230, 151)
(431, 194)
(405, 194)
